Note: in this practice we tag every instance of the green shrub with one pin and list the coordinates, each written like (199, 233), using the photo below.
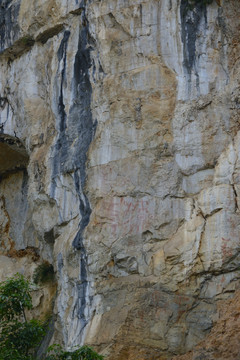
(21, 338)
(56, 352)
(18, 337)
(14, 298)
(27, 41)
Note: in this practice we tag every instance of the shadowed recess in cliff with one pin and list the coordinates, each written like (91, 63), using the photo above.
(190, 23)
(13, 154)
(13, 172)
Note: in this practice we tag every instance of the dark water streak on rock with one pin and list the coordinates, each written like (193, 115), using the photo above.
(190, 23)
(76, 132)
(82, 111)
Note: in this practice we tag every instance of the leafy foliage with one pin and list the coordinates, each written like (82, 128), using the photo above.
(43, 273)
(14, 298)
(18, 337)
(82, 353)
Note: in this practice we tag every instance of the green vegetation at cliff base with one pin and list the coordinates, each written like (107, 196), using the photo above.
(20, 337)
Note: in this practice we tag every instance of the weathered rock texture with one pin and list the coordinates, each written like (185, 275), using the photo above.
(120, 166)
(223, 340)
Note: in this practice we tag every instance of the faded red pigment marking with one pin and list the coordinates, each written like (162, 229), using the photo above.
(227, 250)
(183, 303)
(158, 301)
(126, 216)
(141, 314)
(156, 297)
(182, 300)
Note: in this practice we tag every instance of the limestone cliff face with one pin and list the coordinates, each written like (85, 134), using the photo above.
(120, 142)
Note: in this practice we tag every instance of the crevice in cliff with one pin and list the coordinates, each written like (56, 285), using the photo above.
(213, 212)
(198, 255)
(236, 198)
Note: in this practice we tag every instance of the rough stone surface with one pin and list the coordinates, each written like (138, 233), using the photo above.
(119, 143)
(223, 340)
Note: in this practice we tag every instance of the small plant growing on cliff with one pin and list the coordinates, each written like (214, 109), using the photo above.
(27, 41)
(19, 337)
(82, 353)
(44, 273)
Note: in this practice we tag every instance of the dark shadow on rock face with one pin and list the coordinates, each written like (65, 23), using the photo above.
(13, 191)
(13, 155)
(190, 24)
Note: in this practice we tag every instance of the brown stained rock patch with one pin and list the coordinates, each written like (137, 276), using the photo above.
(30, 252)
(8, 245)
(4, 211)
(231, 14)
(4, 226)
(223, 342)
